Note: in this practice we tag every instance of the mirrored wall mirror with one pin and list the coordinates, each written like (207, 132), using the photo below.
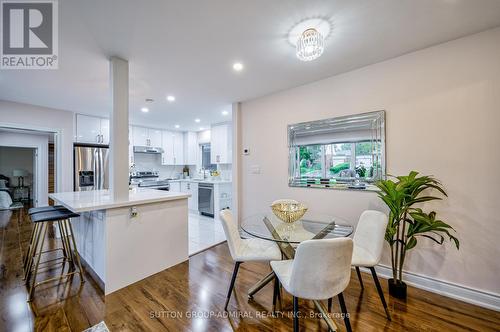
(346, 152)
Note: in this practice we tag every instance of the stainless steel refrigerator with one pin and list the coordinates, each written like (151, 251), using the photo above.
(91, 165)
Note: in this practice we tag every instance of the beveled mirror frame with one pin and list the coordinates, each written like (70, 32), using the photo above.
(349, 131)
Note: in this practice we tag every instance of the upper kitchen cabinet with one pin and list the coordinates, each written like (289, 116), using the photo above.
(178, 148)
(221, 143)
(147, 136)
(167, 143)
(91, 129)
(190, 148)
(173, 148)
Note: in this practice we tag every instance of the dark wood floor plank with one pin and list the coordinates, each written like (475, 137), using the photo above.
(190, 297)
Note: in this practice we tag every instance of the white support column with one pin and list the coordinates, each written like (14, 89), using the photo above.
(118, 165)
(237, 155)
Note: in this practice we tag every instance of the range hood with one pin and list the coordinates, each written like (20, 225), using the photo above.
(147, 149)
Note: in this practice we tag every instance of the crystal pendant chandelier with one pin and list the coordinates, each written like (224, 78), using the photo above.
(310, 45)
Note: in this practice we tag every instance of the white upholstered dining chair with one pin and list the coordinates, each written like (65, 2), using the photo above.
(368, 240)
(244, 250)
(320, 270)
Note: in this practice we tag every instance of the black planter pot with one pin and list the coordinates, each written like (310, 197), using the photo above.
(397, 289)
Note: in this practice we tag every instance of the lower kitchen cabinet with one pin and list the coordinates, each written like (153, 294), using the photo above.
(175, 186)
(192, 189)
(188, 187)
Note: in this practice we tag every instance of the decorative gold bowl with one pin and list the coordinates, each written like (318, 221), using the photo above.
(289, 212)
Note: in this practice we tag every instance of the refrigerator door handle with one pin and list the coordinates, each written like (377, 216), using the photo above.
(96, 169)
(101, 169)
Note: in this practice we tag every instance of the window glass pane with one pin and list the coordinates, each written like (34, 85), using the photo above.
(205, 158)
(310, 161)
(364, 159)
(337, 159)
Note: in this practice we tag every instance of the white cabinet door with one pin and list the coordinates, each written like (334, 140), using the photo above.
(167, 157)
(215, 143)
(219, 144)
(105, 131)
(193, 200)
(191, 188)
(154, 137)
(190, 148)
(175, 186)
(88, 129)
(178, 148)
(140, 136)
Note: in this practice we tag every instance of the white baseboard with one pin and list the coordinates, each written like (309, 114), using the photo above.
(455, 291)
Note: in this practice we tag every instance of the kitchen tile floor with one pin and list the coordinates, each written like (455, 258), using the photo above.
(204, 232)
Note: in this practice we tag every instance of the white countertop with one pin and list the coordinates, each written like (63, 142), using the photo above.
(201, 181)
(81, 201)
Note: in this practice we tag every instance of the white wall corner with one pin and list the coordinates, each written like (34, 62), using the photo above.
(236, 165)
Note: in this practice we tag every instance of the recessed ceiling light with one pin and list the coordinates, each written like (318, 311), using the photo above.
(238, 66)
(144, 109)
(202, 128)
(177, 126)
(225, 112)
(197, 120)
(170, 98)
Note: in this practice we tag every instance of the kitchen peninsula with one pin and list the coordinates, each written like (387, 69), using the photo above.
(124, 241)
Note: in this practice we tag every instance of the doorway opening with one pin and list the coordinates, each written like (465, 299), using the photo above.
(27, 166)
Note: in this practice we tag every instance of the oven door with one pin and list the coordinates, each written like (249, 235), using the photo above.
(162, 188)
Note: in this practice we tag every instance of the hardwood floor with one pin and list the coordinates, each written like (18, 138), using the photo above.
(191, 296)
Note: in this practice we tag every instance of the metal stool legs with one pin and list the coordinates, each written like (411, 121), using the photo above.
(35, 251)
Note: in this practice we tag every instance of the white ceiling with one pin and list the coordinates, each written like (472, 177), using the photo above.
(187, 48)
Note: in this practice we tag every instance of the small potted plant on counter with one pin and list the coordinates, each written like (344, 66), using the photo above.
(407, 223)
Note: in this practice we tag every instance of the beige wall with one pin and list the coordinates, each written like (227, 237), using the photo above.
(443, 118)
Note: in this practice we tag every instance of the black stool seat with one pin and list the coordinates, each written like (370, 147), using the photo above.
(53, 215)
(45, 209)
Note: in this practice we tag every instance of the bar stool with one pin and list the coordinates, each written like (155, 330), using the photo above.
(34, 230)
(69, 249)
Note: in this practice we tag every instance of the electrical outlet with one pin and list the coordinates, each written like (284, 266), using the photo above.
(133, 212)
(255, 169)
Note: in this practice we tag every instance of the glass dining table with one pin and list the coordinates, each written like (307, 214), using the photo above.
(288, 236)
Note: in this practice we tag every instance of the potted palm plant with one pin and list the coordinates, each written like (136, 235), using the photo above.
(407, 223)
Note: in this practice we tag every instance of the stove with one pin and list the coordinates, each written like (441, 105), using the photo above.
(149, 179)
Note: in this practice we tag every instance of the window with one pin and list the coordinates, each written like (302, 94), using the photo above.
(205, 158)
(337, 152)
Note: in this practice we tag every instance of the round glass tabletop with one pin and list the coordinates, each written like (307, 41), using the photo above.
(312, 226)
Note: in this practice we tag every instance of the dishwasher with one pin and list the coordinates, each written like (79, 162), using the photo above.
(206, 199)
